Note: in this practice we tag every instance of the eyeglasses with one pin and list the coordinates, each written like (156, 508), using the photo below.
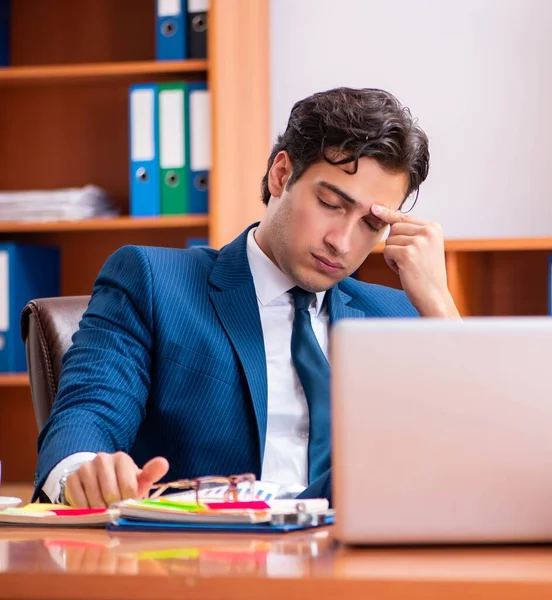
(212, 488)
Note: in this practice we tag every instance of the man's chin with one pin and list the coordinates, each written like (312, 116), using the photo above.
(315, 282)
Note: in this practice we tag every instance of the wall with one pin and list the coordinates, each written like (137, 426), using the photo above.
(477, 74)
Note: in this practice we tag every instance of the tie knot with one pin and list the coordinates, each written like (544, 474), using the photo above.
(302, 298)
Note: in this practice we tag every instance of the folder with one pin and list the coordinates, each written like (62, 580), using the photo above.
(26, 272)
(170, 33)
(197, 28)
(196, 242)
(4, 33)
(145, 189)
(160, 527)
(172, 149)
(199, 141)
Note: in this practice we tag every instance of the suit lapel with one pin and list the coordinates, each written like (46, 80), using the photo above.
(338, 306)
(235, 303)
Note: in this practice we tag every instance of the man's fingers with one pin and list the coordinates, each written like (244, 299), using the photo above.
(410, 229)
(91, 485)
(398, 240)
(127, 475)
(153, 471)
(74, 492)
(393, 216)
(105, 473)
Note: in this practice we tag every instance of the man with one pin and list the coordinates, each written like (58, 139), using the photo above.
(197, 362)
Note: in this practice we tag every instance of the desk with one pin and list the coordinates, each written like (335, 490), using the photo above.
(61, 564)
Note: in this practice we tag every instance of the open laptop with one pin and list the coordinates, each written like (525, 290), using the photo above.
(442, 430)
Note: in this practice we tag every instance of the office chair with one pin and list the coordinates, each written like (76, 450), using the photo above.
(47, 326)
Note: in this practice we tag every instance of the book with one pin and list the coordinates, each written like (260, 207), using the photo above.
(56, 515)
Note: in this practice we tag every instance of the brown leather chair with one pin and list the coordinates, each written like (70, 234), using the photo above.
(47, 325)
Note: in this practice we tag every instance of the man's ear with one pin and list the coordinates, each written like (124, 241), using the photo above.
(279, 174)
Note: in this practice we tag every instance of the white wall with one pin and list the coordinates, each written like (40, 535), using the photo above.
(477, 74)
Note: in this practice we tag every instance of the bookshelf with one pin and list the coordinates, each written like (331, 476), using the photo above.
(64, 123)
(487, 277)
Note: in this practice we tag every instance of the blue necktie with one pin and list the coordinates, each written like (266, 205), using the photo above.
(314, 373)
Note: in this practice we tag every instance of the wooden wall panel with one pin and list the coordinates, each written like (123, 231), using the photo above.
(18, 433)
(519, 283)
(469, 275)
(81, 31)
(375, 270)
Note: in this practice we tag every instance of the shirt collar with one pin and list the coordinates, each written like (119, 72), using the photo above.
(270, 282)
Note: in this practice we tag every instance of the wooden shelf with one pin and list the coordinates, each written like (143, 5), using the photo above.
(14, 380)
(492, 245)
(80, 72)
(115, 224)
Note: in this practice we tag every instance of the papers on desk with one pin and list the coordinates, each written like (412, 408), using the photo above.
(276, 516)
(69, 204)
(165, 514)
(44, 515)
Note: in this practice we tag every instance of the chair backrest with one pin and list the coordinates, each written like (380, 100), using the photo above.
(47, 326)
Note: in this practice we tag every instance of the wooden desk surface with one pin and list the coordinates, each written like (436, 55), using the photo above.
(64, 563)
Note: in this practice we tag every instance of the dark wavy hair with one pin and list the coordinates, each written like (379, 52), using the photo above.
(342, 125)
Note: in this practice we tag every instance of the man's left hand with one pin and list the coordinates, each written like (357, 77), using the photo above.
(415, 249)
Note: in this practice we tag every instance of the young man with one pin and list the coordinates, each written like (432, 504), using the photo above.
(200, 362)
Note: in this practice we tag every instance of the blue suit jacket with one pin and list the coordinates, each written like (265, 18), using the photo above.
(169, 360)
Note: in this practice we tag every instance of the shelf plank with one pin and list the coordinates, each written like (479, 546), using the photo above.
(491, 245)
(79, 72)
(115, 224)
(14, 380)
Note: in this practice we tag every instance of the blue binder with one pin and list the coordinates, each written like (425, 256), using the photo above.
(198, 144)
(26, 272)
(193, 242)
(164, 526)
(170, 33)
(145, 184)
(4, 33)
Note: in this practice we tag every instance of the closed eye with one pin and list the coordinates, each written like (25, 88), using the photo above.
(372, 227)
(326, 205)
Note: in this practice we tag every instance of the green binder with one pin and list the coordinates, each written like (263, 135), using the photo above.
(172, 149)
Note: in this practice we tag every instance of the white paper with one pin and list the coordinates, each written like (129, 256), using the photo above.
(200, 130)
(4, 292)
(171, 129)
(142, 124)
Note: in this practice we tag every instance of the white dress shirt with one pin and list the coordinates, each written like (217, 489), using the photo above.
(285, 459)
(287, 434)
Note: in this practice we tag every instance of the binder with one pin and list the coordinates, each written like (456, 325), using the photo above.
(195, 242)
(170, 33)
(199, 142)
(144, 156)
(165, 527)
(197, 28)
(26, 272)
(4, 33)
(172, 149)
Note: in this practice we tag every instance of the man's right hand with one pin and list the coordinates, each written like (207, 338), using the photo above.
(110, 478)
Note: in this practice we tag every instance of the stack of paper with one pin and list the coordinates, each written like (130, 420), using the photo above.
(56, 515)
(173, 515)
(71, 204)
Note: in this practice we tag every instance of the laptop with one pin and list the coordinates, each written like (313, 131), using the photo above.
(442, 430)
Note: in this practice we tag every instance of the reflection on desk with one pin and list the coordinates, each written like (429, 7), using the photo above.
(96, 564)
(206, 555)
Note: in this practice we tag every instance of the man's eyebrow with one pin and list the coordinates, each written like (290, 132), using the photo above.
(340, 193)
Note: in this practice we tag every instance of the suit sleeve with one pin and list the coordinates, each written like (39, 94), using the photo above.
(105, 378)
